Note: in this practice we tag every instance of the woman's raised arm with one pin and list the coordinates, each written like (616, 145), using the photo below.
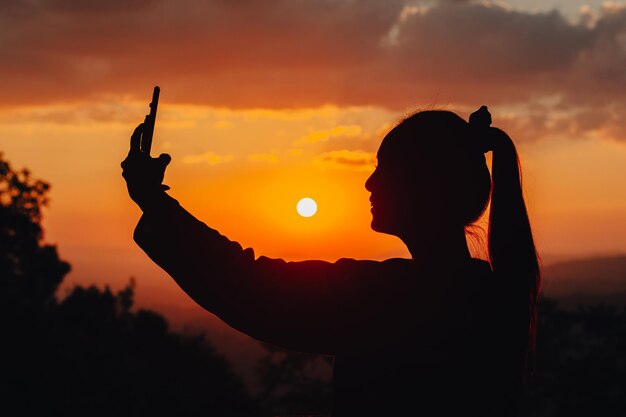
(312, 306)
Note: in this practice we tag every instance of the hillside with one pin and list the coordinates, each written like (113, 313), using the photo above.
(587, 281)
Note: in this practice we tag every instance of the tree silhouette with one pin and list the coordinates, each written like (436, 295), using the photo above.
(127, 363)
(580, 362)
(30, 270)
(294, 383)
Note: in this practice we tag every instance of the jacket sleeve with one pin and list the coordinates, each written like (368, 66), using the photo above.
(312, 306)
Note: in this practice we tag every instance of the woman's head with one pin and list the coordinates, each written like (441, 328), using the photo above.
(430, 174)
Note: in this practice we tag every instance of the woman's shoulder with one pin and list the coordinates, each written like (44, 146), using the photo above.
(402, 266)
(372, 262)
(388, 267)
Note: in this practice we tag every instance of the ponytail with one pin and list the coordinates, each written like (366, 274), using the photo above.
(512, 252)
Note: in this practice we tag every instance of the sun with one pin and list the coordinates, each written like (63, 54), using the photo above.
(306, 207)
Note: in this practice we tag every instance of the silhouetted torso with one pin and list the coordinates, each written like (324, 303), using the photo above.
(408, 338)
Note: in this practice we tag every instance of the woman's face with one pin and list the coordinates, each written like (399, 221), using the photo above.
(380, 199)
(399, 189)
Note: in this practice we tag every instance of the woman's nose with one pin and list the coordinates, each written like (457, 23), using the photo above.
(369, 183)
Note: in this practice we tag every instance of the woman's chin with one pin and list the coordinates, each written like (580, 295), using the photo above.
(379, 226)
(386, 225)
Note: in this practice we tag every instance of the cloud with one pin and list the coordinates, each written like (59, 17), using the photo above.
(223, 124)
(324, 135)
(96, 6)
(299, 53)
(271, 158)
(357, 160)
(226, 53)
(75, 113)
(209, 157)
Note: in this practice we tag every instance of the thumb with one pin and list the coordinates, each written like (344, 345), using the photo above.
(165, 159)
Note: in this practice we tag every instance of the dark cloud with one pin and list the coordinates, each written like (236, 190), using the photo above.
(346, 159)
(293, 53)
(96, 6)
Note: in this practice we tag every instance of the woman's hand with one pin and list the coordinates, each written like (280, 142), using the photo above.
(144, 174)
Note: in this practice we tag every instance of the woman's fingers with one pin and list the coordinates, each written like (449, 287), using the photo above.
(135, 139)
(165, 159)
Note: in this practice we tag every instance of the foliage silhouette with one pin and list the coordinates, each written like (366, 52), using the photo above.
(294, 383)
(580, 362)
(31, 271)
(91, 354)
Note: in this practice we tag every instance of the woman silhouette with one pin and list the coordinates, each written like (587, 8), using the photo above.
(441, 334)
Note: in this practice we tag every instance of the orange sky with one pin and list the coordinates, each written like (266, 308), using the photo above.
(264, 103)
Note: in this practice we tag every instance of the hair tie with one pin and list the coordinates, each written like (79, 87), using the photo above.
(480, 125)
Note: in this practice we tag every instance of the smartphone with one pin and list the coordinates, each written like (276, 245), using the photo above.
(148, 124)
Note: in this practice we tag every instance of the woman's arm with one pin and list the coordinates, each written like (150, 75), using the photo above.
(309, 306)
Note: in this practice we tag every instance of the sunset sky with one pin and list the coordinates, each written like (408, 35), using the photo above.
(266, 102)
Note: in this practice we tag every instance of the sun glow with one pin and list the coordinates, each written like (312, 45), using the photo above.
(306, 207)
